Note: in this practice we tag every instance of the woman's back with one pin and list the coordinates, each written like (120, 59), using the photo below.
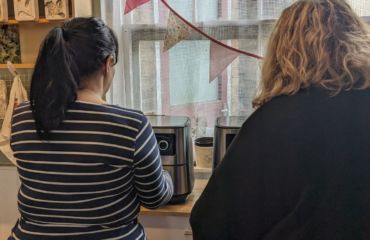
(299, 167)
(298, 170)
(89, 178)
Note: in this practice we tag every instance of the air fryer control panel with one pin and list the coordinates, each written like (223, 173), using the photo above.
(166, 144)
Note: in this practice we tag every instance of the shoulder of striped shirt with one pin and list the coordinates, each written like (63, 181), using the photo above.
(136, 116)
(109, 106)
(117, 108)
(25, 106)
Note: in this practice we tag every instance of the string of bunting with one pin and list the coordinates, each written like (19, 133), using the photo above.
(179, 29)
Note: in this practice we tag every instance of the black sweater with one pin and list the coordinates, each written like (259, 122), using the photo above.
(298, 170)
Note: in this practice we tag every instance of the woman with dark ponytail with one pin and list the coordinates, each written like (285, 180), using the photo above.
(86, 167)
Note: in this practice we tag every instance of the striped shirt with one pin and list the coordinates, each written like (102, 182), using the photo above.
(90, 177)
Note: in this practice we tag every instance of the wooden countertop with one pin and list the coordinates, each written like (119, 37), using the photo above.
(179, 209)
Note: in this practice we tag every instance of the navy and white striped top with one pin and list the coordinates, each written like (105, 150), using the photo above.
(89, 179)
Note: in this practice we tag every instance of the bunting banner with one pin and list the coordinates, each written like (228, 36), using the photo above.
(220, 59)
(177, 31)
(221, 55)
(196, 29)
(132, 4)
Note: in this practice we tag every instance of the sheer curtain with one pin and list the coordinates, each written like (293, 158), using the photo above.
(177, 82)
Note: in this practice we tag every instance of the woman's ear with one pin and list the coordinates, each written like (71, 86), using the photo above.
(109, 63)
(108, 72)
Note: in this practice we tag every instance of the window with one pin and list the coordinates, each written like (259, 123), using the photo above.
(177, 82)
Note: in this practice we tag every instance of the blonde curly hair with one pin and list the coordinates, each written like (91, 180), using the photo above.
(319, 43)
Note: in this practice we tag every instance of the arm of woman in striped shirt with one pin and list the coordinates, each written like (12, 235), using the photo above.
(153, 185)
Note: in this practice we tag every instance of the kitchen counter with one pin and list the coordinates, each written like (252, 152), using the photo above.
(179, 209)
(172, 221)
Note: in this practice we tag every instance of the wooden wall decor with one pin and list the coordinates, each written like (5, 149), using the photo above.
(56, 9)
(26, 10)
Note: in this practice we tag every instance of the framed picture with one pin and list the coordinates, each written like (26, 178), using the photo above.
(9, 44)
(56, 9)
(26, 10)
(3, 10)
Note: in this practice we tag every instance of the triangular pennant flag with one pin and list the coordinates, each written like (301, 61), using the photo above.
(220, 58)
(177, 30)
(132, 4)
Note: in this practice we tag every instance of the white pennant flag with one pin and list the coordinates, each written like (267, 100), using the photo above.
(220, 58)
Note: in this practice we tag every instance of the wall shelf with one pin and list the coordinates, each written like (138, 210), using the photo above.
(19, 66)
(32, 33)
(41, 21)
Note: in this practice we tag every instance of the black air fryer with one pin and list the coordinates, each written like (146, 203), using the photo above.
(174, 141)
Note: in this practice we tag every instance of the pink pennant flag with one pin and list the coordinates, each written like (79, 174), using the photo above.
(132, 4)
(177, 30)
(220, 58)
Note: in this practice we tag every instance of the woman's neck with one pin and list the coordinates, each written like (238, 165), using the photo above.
(89, 95)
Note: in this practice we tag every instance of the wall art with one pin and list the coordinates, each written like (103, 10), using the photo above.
(56, 9)
(26, 10)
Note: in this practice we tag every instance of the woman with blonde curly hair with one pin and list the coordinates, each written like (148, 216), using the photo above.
(300, 167)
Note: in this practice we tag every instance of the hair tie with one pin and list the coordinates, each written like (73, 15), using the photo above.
(64, 33)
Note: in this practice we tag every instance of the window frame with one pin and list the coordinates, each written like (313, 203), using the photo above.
(134, 33)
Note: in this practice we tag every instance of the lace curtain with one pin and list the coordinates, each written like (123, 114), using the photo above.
(177, 82)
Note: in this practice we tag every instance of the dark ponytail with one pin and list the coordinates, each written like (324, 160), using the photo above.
(68, 55)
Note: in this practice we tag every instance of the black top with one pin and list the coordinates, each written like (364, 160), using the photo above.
(298, 170)
(89, 179)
